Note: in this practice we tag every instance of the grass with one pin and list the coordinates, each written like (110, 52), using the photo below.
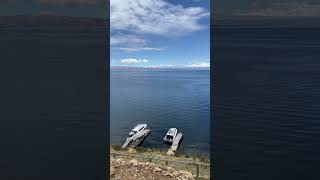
(157, 154)
(141, 150)
(116, 147)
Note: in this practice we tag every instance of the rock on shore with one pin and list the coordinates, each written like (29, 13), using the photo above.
(134, 170)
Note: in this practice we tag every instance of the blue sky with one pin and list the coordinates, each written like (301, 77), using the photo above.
(160, 33)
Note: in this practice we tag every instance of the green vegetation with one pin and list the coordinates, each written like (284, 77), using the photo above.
(159, 157)
(141, 150)
(116, 147)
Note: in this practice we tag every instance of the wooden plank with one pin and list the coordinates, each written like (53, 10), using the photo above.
(139, 138)
(136, 139)
(175, 144)
(125, 145)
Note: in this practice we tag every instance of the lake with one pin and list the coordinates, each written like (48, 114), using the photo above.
(54, 102)
(162, 98)
(267, 94)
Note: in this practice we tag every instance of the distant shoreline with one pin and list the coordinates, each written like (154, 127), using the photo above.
(156, 68)
(53, 20)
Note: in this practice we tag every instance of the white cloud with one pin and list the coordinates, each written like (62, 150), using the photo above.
(155, 17)
(134, 49)
(129, 40)
(160, 66)
(131, 43)
(133, 61)
(199, 65)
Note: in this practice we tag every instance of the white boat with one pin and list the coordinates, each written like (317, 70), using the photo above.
(171, 135)
(137, 128)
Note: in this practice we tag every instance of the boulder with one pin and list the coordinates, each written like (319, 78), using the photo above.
(151, 164)
(111, 172)
(175, 173)
(169, 174)
(156, 169)
(170, 169)
(133, 162)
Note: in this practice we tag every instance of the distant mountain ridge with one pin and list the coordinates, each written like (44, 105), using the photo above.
(51, 20)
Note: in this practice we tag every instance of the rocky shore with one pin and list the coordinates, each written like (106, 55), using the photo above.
(134, 170)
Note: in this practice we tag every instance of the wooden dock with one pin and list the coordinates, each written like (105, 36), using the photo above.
(175, 144)
(136, 139)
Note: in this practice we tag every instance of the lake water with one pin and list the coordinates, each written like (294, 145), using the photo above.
(267, 94)
(162, 99)
(53, 86)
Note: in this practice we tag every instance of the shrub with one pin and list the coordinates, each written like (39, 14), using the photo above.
(116, 147)
(140, 149)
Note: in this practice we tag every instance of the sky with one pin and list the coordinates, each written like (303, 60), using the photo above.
(160, 33)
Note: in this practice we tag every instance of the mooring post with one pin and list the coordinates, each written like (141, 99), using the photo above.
(197, 171)
(150, 160)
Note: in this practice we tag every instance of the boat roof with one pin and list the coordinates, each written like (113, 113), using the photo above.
(138, 126)
(172, 131)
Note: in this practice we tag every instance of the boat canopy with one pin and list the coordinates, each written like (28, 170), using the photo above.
(139, 127)
(172, 131)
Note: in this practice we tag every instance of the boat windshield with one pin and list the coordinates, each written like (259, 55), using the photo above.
(169, 137)
(132, 133)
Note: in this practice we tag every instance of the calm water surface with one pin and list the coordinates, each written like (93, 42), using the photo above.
(267, 95)
(162, 99)
(54, 110)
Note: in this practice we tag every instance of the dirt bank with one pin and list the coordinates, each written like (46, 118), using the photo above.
(160, 160)
(134, 170)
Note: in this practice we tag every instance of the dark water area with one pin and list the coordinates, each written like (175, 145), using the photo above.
(53, 87)
(266, 102)
(162, 99)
